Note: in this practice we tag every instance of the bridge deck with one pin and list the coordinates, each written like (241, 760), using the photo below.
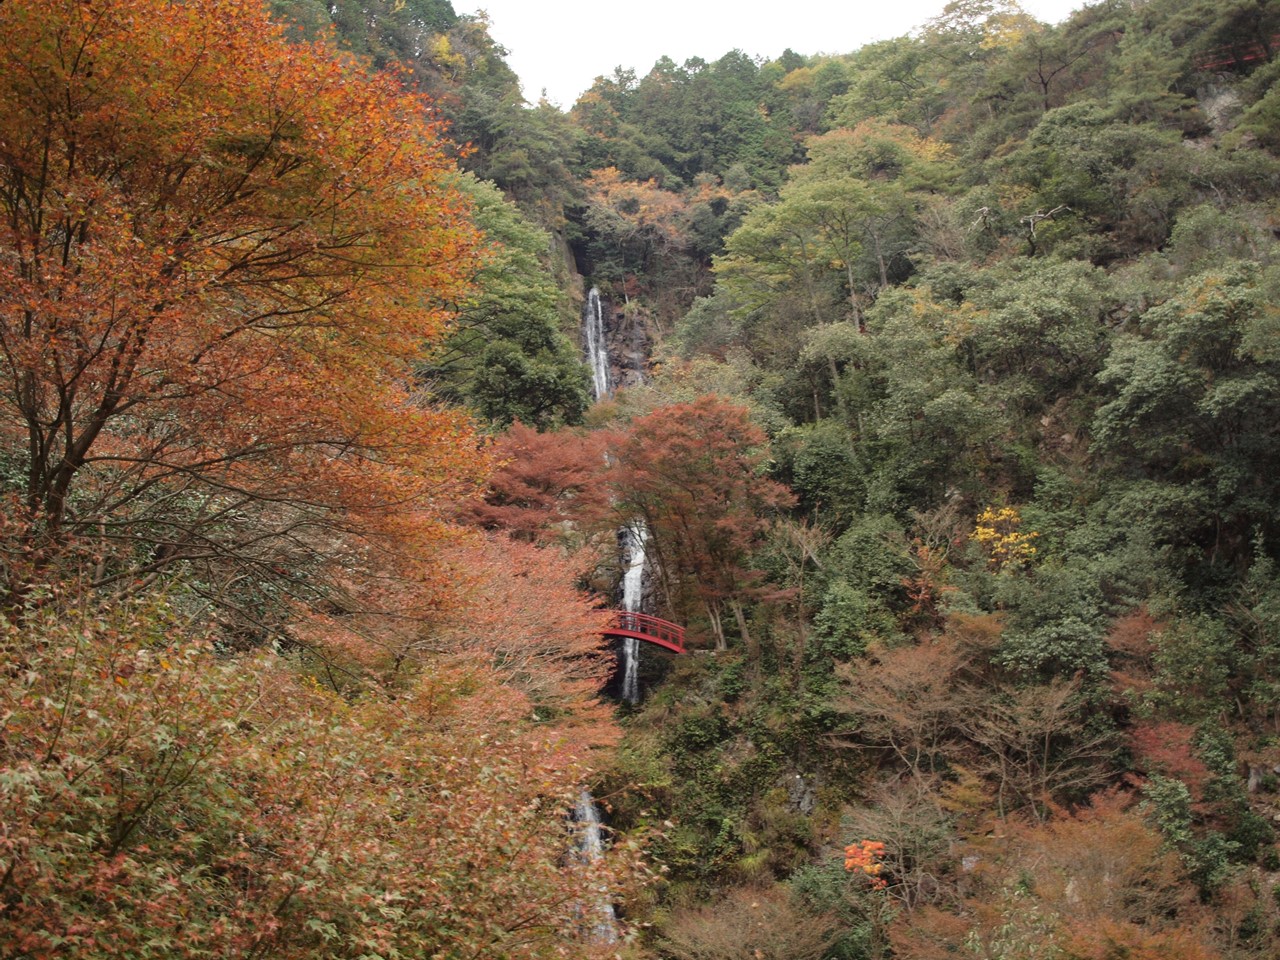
(1235, 54)
(662, 633)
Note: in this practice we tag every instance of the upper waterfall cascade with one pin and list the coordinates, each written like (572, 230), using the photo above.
(597, 348)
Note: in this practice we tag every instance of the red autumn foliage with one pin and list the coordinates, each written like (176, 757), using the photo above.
(1168, 748)
(1129, 641)
(926, 587)
(908, 700)
(520, 614)
(929, 934)
(1109, 940)
(1098, 883)
(1105, 861)
(515, 612)
(757, 922)
(543, 482)
(695, 473)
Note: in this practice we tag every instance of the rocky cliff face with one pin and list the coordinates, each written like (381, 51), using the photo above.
(627, 338)
(631, 345)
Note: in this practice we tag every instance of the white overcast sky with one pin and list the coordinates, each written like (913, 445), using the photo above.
(563, 45)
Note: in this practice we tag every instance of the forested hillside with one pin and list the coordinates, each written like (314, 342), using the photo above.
(946, 387)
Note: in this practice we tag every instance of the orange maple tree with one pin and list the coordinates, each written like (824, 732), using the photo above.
(218, 251)
(522, 615)
(513, 607)
(641, 213)
(865, 857)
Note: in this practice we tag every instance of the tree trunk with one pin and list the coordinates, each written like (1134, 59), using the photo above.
(717, 624)
(740, 615)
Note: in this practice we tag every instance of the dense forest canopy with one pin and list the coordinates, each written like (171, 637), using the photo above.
(952, 414)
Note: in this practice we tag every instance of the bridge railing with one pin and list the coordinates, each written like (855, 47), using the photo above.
(1233, 54)
(656, 628)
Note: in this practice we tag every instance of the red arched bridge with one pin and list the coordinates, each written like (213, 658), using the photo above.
(1236, 54)
(653, 630)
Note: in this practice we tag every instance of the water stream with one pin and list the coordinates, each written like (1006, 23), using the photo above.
(635, 536)
(591, 847)
(604, 929)
(597, 348)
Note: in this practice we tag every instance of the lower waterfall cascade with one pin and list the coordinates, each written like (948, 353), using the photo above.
(590, 848)
(636, 539)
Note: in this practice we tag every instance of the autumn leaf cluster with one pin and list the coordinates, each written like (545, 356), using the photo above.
(218, 268)
(261, 695)
(864, 857)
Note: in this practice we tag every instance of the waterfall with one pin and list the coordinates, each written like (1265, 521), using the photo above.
(604, 929)
(597, 349)
(636, 537)
(590, 848)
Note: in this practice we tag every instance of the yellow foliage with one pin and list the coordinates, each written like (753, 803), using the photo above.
(1007, 29)
(449, 60)
(1000, 535)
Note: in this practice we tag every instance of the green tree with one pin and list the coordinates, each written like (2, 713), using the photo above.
(924, 425)
(1191, 419)
(507, 358)
(842, 231)
(1034, 328)
(1113, 186)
